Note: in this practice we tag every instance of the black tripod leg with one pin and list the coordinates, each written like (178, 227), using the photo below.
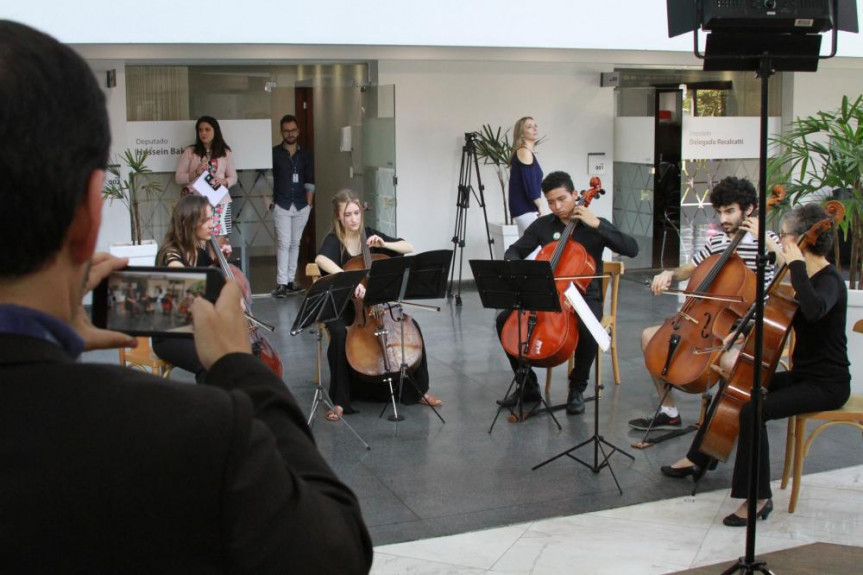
(518, 387)
(403, 375)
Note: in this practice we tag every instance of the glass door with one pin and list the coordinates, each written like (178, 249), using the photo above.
(379, 157)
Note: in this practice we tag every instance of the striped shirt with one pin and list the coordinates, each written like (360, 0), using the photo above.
(747, 249)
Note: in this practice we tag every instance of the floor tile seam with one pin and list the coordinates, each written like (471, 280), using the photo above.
(617, 520)
(426, 560)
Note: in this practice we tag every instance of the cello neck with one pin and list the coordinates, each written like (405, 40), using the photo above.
(367, 253)
(223, 262)
(564, 237)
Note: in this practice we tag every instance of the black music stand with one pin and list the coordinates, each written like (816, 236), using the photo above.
(422, 276)
(522, 286)
(325, 301)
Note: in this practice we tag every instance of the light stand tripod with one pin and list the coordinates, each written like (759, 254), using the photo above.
(743, 39)
(521, 286)
(415, 277)
(326, 301)
(599, 444)
(469, 164)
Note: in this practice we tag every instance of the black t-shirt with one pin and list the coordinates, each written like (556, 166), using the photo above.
(333, 249)
(205, 260)
(549, 228)
(821, 349)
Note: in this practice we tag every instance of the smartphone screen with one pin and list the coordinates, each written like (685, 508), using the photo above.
(153, 301)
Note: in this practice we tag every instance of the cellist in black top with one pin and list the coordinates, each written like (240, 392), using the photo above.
(342, 244)
(819, 379)
(595, 234)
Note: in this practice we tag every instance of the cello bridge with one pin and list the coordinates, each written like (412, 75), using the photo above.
(687, 317)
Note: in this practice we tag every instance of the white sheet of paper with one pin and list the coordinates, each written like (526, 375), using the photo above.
(585, 315)
(203, 187)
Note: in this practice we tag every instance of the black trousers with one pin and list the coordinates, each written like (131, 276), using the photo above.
(346, 385)
(585, 351)
(788, 394)
(180, 352)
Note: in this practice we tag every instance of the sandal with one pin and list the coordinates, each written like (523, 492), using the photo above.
(335, 414)
(430, 400)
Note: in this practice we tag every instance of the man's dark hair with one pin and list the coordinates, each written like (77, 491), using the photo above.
(800, 219)
(287, 118)
(53, 134)
(732, 190)
(557, 180)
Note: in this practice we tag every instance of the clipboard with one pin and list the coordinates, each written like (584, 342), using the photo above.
(204, 185)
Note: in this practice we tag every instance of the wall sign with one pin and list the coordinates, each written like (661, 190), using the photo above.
(724, 138)
(250, 142)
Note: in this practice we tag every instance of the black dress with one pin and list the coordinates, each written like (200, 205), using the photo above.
(345, 383)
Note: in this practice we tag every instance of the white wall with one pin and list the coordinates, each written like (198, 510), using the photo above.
(438, 101)
(115, 217)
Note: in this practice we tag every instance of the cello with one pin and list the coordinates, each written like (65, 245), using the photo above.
(374, 340)
(552, 336)
(261, 348)
(722, 424)
(724, 292)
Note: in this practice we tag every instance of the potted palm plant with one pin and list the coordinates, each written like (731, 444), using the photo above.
(129, 179)
(820, 157)
(494, 148)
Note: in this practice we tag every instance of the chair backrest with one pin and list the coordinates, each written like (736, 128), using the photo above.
(313, 272)
(611, 272)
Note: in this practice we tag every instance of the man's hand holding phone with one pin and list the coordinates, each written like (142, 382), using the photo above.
(222, 328)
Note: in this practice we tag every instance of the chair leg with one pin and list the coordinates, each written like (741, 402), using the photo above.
(615, 366)
(789, 451)
(799, 432)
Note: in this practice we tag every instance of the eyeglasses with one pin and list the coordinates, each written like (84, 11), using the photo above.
(784, 234)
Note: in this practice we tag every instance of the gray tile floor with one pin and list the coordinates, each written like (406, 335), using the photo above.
(424, 479)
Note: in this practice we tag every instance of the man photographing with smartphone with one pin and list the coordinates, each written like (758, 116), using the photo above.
(110, 470)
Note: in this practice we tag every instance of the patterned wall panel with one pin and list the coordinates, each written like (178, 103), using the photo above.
(698, 221)
(253, 223)
(633, 208)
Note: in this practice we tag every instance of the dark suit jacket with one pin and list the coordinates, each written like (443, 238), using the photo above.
(107, 470)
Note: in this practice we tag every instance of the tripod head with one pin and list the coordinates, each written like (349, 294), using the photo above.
(470, 141)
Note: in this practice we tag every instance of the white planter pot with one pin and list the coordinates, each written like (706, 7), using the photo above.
(504, 235)
(855, 340)
(140, 255)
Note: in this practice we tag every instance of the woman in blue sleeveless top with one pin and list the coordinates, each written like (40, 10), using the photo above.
(525, 175)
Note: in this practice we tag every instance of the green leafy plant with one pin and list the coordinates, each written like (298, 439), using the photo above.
(139, 180)
(820, 155)
(494, 148)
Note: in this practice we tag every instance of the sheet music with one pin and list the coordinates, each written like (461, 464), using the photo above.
(204, 186)
(586, 316)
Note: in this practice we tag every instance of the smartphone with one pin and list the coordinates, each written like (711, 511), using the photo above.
(153, 301)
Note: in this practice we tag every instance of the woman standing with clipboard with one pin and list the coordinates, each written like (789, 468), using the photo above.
(210, 155)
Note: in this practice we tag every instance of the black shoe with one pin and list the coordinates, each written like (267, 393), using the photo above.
(575, 402)
(280, 291)
(735, 520)
(661, 421)
(678, 472)
(291, 287)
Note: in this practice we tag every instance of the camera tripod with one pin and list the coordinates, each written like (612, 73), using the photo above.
(469, 164)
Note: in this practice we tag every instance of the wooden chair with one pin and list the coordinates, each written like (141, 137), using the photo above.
(796, 449)
(144, 358)
(611, 272)
(313, 272)
(849, 414)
